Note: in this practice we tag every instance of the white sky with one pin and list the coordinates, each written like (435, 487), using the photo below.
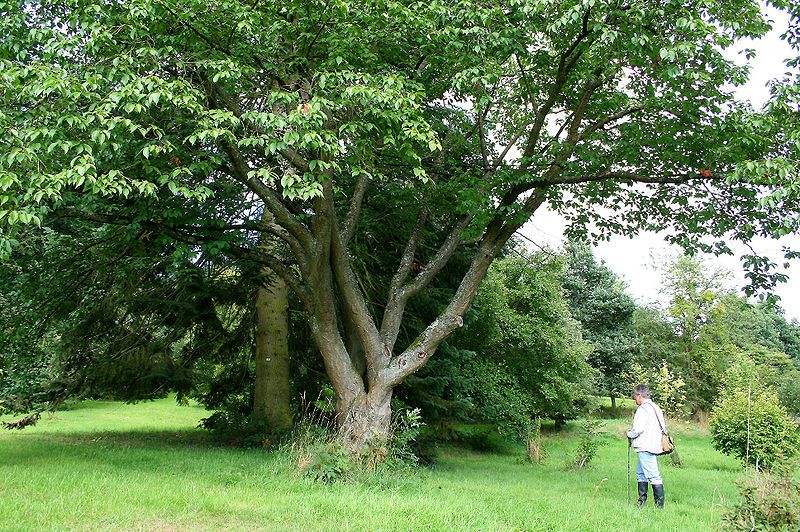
(633, 260)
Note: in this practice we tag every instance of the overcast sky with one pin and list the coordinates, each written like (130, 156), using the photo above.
(634, 260)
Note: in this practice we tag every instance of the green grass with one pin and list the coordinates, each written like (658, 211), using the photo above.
(109, 466)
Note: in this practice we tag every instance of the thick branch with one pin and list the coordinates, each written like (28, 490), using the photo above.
(435, 265)
(675, 179)
(355, 304)
(401, 294)
(407, 259)
(566, 63)
(418, 354)
(356, 201)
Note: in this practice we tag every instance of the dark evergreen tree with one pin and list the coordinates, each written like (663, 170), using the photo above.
(597, 299)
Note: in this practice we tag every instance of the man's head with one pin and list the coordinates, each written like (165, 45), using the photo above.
(640, 393)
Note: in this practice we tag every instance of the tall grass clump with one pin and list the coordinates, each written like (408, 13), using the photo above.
(533, 441)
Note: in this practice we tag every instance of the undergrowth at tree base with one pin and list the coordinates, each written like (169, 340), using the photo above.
(317, 451)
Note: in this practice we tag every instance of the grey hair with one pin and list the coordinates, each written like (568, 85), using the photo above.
(641, 389)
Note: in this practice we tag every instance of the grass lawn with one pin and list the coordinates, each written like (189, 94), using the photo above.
(110, 466)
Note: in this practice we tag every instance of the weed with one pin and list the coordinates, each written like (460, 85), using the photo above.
(326, 462)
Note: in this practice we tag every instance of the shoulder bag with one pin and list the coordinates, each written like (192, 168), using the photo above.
(666, 440)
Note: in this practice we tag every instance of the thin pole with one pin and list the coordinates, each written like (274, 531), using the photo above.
(629, 471)
(747, 449)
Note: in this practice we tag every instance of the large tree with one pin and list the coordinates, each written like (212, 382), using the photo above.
(464, 117)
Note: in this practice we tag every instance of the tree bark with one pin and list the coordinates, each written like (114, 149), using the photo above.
(367, 421)
(272, 388)
(613, 401)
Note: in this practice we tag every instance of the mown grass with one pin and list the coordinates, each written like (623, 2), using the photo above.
(109, 466)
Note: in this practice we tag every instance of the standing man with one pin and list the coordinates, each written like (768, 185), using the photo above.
(645, 437)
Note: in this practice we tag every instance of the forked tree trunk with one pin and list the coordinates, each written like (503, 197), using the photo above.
(272, 386)
(367, 422)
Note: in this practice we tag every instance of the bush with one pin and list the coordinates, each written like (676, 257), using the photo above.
(771, 430)
(769, 500)
(326, 462)
(240, 429)
(590, 442)
(404, 436)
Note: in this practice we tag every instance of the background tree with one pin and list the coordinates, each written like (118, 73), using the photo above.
(707, 329)
(597, 299)
(658, 338)
(523, 334)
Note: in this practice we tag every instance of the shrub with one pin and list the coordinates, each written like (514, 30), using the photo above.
(325, 462)
(771, 430)
(590, 442)
(405, 432)
(240, 430)
(769, 500)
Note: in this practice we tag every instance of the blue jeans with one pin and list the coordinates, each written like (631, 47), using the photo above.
(647, 468)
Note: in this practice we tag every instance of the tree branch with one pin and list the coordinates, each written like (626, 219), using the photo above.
(588, 130)
(675, 179)
(566, 63)
(421, 349)
(355, 304)
(356, 201)
(401, 294)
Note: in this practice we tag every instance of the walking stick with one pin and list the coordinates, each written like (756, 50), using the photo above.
(629, 471)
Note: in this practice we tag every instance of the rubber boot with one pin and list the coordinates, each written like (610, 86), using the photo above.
(658, 495)
(642, 494)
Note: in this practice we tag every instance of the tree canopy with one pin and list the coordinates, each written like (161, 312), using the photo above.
(190, 119)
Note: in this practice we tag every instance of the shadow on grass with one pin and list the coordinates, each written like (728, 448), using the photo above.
(146, 451)
(188, 439)
(163, 439)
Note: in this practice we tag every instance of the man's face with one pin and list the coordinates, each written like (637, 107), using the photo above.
(639, 399)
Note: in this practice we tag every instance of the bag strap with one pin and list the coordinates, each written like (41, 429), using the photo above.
(658, 418)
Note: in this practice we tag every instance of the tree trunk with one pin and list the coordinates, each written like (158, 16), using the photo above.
(272, 385)
(367, 421)
(613, 401)
(353, 344)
